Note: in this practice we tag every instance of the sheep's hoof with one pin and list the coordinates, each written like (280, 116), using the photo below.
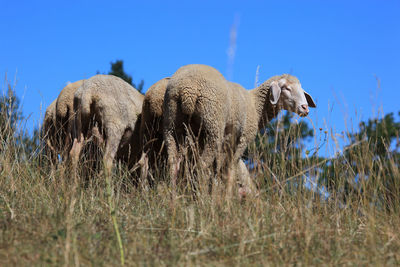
(242, 193)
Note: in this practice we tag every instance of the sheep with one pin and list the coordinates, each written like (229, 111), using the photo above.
(108, 109)
(65, 114)
(224, 115)
(49, 131)
(151, 133)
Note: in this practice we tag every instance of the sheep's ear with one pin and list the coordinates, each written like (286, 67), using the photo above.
(310, 101)
(275, 93)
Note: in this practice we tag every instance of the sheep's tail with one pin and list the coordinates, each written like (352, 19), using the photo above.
(188, 100)
(85, 102)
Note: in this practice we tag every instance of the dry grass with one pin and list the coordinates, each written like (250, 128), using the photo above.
(49, 218)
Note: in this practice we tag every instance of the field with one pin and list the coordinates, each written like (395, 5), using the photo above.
(326, 176)
(51, 215)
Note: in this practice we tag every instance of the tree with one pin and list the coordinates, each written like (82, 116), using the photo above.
(369, 165)
(381, 134)
(17, 141)
(117, 69)
(10, 115)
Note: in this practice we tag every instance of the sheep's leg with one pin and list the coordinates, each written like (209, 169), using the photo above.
(212, 151)
(173, 161)
(170, 121)
(76, 150)
(144, 169)
(74, 132)
(241, 147)
(210, 128)
(112, 144)
(230, 178)
(247, 185)
(71, 134)
(232, 172)
(238, 174)
(243, 175)
(51, 152)
(98, 138)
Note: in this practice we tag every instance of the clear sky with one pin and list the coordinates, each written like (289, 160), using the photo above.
(336, 48)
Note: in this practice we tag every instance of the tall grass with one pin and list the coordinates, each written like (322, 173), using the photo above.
(48, 216)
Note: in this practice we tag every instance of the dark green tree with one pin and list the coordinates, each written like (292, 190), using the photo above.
(369, 166)
(117, 69)
(381, 135)
(13, 136)
(10, 115)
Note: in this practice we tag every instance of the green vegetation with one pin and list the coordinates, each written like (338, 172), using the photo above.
(117, 69)
(52, 216)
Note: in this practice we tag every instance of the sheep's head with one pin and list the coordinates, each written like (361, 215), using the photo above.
(286, 93)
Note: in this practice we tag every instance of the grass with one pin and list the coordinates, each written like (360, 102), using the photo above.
(48, 216)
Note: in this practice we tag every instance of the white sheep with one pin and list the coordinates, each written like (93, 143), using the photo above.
(151, 132)
(224, 115)
(108, 108)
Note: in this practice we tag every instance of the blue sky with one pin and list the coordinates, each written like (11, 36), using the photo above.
(336, 48)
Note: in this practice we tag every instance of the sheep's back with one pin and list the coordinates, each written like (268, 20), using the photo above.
(116, 101)
(65, 99)
(198, 88)
(153, 100)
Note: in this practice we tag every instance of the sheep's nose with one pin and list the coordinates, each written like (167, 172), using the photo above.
(305, 108)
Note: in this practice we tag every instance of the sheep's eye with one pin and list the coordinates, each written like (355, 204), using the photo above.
(287, 88)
